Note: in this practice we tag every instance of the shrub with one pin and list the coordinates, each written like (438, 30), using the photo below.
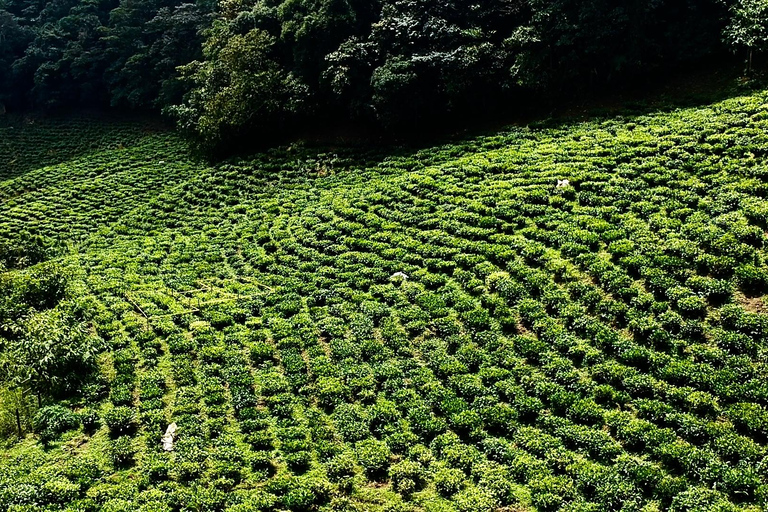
(474, 499)
(121, 393)
(717, 290)
(51, 421)
(120, 420)
(90, 419)
(448, 481)
(122, 451)
(402, 438)
(692, 305)
(373, 455)
(351, 421)
(621, 248)
(255, 501)
(549, 492)
(750, 418)
(299, 498)
(499, 418)
(23, 250)
(180, 344)
(586, 411)
(699, 498)
(331, 390)
(60, 490)
(118, 505)
(406, 476)
(341, 469)
(462, 456)
(753, 280)
(466, 421)
(299, 461)
(262, 462)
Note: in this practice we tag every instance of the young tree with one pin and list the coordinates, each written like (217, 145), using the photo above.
(748, 27)
(50, 357)
(46, 348)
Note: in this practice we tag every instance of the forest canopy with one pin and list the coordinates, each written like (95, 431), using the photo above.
(237, 67)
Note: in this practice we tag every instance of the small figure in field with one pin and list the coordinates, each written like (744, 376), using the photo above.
(563, 183)
(398, 276)
(168, 437)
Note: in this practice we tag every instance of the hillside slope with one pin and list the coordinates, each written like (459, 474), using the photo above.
(597, 346)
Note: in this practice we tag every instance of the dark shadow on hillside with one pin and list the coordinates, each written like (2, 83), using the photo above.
(34, 140)
(690, 87)
(61, 136)
(687, 89)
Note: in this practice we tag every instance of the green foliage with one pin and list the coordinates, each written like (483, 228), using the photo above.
(595, 351)
(448, 481)
(753, 280)
(17, 411)
(748, 27)
(120, 420)
(51, 356)
(238, 87)
(53, 420)
(407, 477)
(122, 451)
(97, 54)
(23, 250)
(46, 349)
(253, 68)
(373, 455)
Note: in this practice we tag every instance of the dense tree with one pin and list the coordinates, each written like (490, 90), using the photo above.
(44, 346)
(145, 45)
(422, 57)
(408, 62)
(13, 39)
(748, 27)
(74, 52)
(61, 66)
(49, 356)
(575, 44)
(231, 68)
(239, 86)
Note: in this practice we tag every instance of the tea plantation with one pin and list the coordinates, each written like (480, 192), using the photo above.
(440, 330)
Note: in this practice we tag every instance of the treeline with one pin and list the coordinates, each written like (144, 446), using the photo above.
(97, 52)
(234, 67)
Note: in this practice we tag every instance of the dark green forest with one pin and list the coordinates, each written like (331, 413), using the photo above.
(234, 68)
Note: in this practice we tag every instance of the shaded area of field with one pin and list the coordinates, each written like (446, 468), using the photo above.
(29, 142)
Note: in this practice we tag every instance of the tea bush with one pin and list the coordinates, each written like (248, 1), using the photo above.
(580, 348)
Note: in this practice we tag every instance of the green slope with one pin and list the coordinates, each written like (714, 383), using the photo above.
(596, 347)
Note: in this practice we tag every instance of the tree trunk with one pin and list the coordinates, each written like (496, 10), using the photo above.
(18, 422)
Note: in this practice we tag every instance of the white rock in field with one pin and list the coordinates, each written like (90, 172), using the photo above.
(563, 183)
(167, 438)
(398, 276)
